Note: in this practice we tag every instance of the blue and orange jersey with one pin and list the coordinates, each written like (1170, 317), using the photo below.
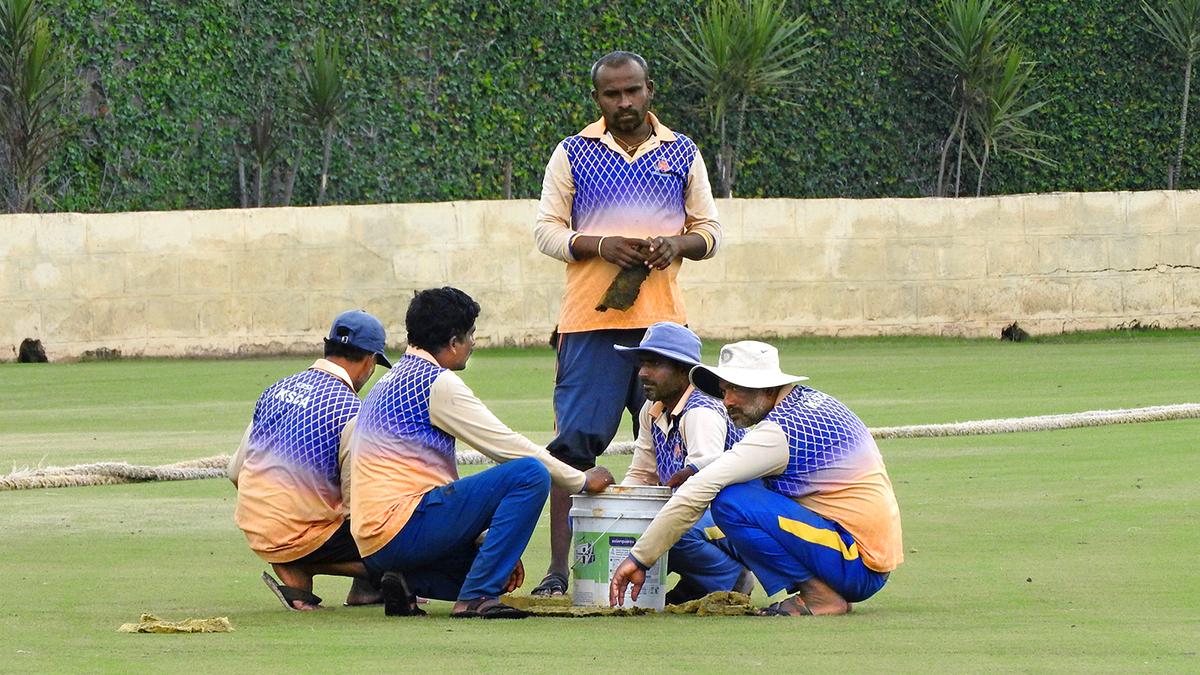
(594, 188)
(834, 468)
(289, 483)
(397, 453)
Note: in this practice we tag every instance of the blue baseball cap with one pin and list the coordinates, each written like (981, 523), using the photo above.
(668, 339)
(359, 329)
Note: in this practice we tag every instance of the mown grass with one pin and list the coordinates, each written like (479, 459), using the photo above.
(1055, 551)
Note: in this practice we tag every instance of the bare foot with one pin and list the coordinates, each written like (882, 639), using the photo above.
(363, 593)
(822, 600)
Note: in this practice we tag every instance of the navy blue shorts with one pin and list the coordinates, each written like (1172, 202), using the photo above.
(593, 386)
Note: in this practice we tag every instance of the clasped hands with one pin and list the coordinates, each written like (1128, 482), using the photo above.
(654, 252)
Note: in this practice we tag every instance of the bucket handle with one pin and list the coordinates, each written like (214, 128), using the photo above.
(601, 535)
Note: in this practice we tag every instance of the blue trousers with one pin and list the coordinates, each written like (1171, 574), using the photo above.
(593, 386)
(785, 544)
(703, 559)
(435, 550)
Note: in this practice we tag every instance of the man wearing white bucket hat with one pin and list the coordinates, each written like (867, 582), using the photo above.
(804, 497)
(681, 430)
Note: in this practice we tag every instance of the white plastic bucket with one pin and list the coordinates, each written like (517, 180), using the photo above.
(606, 526)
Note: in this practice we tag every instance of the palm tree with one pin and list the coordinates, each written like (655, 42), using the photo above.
(736, 52)
(1178, 23)
(35, 82)
(967, 36)
(1002, 124)
(323, 98)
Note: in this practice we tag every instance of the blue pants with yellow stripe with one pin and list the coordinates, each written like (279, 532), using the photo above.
(785, 544)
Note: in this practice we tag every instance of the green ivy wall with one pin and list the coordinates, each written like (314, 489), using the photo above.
(446, 95)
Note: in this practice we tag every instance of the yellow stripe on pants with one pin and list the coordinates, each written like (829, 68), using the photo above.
(826, 538)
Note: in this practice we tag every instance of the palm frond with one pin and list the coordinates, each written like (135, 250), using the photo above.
(1177, 23)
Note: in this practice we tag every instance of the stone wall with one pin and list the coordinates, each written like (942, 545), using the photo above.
(270, 280)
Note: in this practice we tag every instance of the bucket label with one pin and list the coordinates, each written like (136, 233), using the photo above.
(597, 558)
(585, 553)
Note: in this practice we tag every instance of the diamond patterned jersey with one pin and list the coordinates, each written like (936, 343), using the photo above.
(398, 407)
(670, 453)
(300, 420)
(821, 432)
(606, 183)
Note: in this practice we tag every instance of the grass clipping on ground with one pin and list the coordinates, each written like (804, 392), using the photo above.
(153, 624)
(721, 603)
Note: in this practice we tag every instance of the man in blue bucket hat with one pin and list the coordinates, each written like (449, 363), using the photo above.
(681, 430)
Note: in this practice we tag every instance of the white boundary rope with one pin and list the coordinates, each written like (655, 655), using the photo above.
(111, 473)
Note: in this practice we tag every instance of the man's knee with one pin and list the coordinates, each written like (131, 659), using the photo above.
(726, 506)
(530, 473)
(578, 449)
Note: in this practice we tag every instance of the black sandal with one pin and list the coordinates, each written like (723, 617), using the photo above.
(398, 600)
(555, 583)
(489, 608)
(287, 594)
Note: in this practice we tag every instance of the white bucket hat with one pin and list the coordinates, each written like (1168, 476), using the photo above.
(750, 364)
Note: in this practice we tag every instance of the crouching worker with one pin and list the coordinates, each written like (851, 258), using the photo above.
(416, 522)
(682, 430)
(291, 501)
(804, 497)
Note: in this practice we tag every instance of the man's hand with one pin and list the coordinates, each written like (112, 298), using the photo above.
(679, 477)
(627, 573)
(597, 478)
(662, 251)
(624, 251)
(516, 579)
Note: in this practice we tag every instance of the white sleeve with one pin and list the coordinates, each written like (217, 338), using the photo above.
(239, 456)
(455, 409)
(553, 233)
(762, 452)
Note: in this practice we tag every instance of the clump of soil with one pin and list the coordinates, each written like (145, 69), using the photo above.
(719, 603)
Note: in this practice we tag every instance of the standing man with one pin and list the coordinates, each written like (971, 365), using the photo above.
(804, 497)
(288, 470)
(626, 191)
(682, 430)
(419, 526)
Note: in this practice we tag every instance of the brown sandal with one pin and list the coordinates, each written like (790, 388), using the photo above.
(489, 608)
(777, 609)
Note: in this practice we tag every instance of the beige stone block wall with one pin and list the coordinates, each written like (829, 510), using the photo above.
(269, 280)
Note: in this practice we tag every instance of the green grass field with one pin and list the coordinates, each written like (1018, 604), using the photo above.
(1054, 551)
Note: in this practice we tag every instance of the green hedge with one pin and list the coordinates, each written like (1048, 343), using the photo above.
(446, 94)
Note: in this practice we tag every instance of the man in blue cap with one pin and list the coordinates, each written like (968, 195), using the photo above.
(293, 499)
(681, 431)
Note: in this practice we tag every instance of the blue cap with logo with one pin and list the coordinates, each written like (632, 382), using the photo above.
(668, 339)
(359, 329)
